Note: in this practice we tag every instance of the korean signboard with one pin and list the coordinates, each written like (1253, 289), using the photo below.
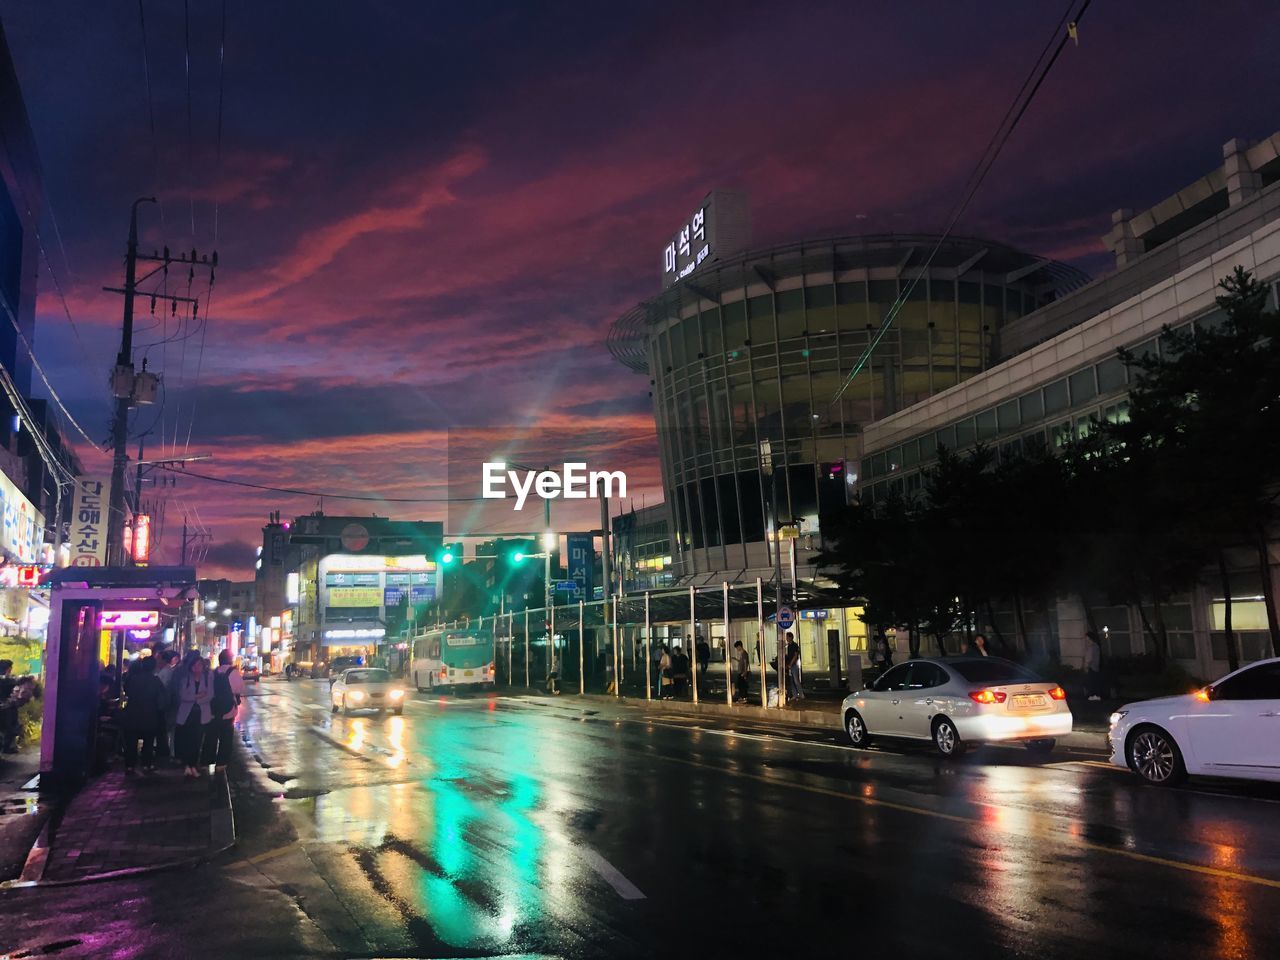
(88, 539)
(23, 533)
(581, 562)
(355, 597)
(719, 227)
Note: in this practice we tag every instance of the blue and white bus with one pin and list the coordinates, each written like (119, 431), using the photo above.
(452, 658)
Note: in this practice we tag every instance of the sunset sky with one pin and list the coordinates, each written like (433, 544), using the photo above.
(428, 214)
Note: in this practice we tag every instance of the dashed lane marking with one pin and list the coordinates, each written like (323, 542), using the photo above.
(612, 875)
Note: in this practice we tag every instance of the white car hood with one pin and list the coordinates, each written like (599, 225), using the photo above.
(1159, 703)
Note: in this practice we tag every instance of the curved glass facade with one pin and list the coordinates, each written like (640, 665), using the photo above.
(755, 349)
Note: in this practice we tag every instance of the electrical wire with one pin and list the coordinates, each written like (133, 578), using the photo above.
(315, 493)
(222, 60)
(151, 114)
(1008, 123)
(186, 40)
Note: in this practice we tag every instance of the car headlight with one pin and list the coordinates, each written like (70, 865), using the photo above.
(395, 694)
(1118, 716)
(356, 695)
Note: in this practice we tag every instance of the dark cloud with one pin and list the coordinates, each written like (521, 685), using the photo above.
(427, 215)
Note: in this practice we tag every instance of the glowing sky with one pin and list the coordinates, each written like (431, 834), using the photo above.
(428, 214)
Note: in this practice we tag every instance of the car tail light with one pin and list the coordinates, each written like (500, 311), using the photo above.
(1057, 693)
(444, 673)
(988, 696)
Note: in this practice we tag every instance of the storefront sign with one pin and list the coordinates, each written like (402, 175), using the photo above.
(352, 579)
(89, 521)
(355, 597)
(581, 559)
(23, 532)
(813, 614)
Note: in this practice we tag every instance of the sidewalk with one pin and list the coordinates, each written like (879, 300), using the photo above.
(118, 824)
(22, 815)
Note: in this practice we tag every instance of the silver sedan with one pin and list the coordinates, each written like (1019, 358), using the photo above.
(958, 701)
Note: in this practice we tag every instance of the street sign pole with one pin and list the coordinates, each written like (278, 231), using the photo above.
(526, 648)
(582, 634)
(760, 644)
(648, 650)
(728, 675)
(693, 641)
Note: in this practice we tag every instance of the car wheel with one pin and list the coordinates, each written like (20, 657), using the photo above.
(1154, 756)
(1042, 746)
(333, 707)
(346, 711)
(856, 729)
(398, 711)
(946, 738)
(416, 685)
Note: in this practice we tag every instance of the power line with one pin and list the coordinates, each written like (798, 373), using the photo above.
(151, 114)
(316, 493)
(186, 40)
(1017, 108)
(222, 59)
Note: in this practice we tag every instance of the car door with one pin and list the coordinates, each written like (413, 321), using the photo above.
(917, 707)
(1238, 731)
(879, 707)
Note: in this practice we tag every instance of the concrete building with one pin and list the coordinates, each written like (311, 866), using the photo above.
(992, 345)
(1056, 370)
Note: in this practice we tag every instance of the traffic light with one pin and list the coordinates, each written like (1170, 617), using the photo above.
(449, 553)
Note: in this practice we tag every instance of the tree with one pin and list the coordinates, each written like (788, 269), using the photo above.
(1204, 429)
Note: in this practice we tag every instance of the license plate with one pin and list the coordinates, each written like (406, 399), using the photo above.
(469, 673)
(377, 696)
(1028, 700)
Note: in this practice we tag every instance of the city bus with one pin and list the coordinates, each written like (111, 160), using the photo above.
(453, 658)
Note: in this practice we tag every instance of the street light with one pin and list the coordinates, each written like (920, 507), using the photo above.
(210, 604)
(226, 611)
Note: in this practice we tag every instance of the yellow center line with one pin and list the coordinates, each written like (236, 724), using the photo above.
(955, 818)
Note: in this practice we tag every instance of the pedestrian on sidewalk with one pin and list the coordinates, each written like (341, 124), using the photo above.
(741, 664)
(977, 647)
(794, 690)
(195, 691)
(142, 716)
(679, 671)
(665, 680)
(8, 709)
(703, 652)
(1093, 666)
(228, 691)
(166, 674)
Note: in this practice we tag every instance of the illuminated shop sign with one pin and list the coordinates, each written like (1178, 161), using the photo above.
(720, 227)
(131, 619)
(355, 633)
(23, 532)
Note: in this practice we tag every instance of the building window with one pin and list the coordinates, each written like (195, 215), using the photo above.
(1112, 375)
(1008, 417)
(1031, 406)
(986, 422)
(1056, 397)
(1083, 388)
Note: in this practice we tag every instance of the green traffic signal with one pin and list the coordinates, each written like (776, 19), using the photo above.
(517, 556)
(447, 555)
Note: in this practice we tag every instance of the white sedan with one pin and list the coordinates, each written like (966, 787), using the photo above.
(1228, 729)
(956, 701)
(366, 688)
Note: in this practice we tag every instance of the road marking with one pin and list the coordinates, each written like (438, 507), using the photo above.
(954, 818)
(624, 887)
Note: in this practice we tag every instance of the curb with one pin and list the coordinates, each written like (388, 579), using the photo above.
(222, 836)
(808, 719)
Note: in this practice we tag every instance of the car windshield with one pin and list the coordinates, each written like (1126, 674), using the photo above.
(368, 676)
(991, 670)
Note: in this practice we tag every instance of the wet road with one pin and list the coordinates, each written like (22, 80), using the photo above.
(508, 825)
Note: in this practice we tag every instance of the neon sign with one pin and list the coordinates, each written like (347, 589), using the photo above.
(129, 619)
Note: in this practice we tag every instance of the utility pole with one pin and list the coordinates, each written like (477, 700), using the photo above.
(128, 388)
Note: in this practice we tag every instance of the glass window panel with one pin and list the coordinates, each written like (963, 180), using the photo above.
(1008, 417)
(946, 437)
(791, 321)
(760, 319)
(966, 433)
(986, 424)
(1056, 397)
(734, 316)
(911, 453)
(1031, 406)
(711, 332)
(1111, 375)
(1082, 385)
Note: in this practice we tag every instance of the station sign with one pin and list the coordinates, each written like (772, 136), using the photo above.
(719, 227)
(814, 614)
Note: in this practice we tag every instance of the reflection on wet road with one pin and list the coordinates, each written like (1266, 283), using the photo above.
(506, 825)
